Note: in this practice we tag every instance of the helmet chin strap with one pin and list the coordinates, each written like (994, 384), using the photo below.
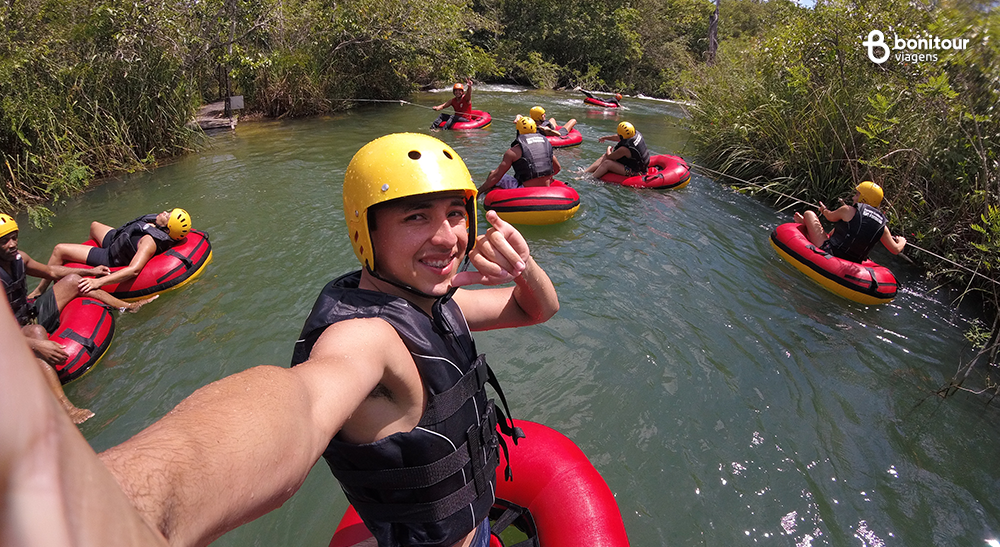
(439, 300)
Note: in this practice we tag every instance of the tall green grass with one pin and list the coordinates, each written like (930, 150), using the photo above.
(804, 112)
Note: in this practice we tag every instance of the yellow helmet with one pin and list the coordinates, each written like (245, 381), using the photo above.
(398, 166)
(526, 126)
(538, 113)
(871, 193)
(626, 130)
(7, 225)
(179, 223)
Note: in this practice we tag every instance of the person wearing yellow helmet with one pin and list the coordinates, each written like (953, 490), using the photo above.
(857, 228)
(130, 245)
(386, 384)
(530, 154)
(629, 157)
(461, 102)
(550, 127)
(39, 317)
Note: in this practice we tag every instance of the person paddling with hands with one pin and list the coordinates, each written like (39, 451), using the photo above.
(857, 229)
(386, 384)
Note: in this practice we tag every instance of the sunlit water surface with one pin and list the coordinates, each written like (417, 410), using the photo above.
(726, 399)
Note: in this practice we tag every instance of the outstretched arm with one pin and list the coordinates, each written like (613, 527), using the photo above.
(55, 489)
(444, 105)
(147, 249)
(895, 244)
(500, 256)
(240, 447)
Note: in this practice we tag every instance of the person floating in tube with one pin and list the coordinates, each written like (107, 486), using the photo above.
(461, 102)
(531, 157)
(629, 157)
(857, 228)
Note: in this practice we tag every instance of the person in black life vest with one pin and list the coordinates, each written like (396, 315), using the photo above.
(858, 227)
(628, 157)
(530, 154)
(131, 246)
(550, 127)
(38, 318)
(371, 376)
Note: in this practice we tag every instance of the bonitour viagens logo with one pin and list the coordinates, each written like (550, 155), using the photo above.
(879, 51)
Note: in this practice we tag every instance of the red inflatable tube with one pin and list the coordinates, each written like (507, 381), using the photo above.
(480, 119)
(168, 270)
(599, 102)
(665, 172)
(866, 283)
(573, 138)
(86, 328)
(569, 503)
(536, 205)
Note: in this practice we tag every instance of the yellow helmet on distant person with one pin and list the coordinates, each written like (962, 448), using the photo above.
(7, 225)
(179, 224)
(538, 114)
(526, 126)
(626, 130)
(871, 193)
(398, 166)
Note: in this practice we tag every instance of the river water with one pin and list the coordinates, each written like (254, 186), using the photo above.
(725, 398)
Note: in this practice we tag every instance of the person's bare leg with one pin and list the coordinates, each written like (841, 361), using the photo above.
(570, 124)
(63, 253)
(76, 415)
(68, 288)
(611, 166)
(814, 227)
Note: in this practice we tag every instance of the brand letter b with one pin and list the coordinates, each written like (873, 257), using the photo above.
(876, 39)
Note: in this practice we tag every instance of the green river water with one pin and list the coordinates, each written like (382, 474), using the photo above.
(725, 398)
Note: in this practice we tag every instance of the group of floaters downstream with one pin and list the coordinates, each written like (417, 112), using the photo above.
(87, 326)
(556, 201)
(858, 279)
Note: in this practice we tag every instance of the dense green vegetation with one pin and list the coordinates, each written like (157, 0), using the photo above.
(803, 111)
(792, 101)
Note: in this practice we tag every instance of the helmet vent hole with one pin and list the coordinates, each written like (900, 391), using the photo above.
(356, 235)
(447, 155)
(414, 155)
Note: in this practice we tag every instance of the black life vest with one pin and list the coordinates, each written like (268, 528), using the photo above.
(125, 243)
(536, 157)
(853, 240)
(430, 486)
(16, 286)
(638, 162)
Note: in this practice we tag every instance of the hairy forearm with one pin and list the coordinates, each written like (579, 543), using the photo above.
(231, 452)
(55, 490)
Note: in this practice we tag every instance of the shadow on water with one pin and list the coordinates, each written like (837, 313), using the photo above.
(725, 398)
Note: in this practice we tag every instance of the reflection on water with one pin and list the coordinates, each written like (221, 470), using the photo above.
(725, 398)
